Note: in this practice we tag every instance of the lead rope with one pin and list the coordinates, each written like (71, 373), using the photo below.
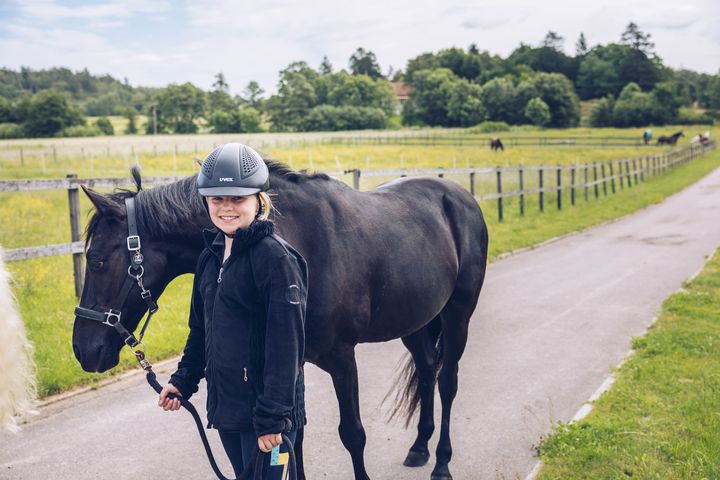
(253, 468)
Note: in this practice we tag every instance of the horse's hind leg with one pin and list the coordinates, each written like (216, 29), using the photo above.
(340, 364)
(455, 319)
(421, 345)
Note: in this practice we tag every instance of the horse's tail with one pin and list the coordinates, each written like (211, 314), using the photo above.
(407, 394)
(16, 369)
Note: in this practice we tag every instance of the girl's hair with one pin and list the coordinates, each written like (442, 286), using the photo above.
(266, 205)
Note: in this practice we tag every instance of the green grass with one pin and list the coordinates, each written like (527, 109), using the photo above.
(661, 419)
(44, 286)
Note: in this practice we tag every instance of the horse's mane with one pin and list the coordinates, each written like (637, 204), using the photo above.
(161, 208)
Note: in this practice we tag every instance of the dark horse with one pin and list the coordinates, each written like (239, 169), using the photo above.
(496, 144)
(405, 260)
(671, 140)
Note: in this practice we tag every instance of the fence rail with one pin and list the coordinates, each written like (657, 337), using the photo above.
(596, 177)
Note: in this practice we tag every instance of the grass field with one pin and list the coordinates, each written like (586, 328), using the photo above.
(44, 286)
(661, 419)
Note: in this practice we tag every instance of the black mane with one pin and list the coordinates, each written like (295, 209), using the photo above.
(161, 208)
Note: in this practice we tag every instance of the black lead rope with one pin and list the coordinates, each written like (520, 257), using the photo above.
(253, 469)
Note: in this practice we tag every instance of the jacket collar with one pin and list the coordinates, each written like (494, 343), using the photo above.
(243, 239)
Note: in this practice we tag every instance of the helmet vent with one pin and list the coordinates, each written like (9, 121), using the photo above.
(209, 163)
(248, 163)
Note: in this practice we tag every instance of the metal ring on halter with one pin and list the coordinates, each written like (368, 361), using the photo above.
(138, 276)
(110, 315)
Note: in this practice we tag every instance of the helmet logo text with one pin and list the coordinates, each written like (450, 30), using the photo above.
(225, 179)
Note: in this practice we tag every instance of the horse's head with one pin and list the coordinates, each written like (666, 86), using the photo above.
(96, 345)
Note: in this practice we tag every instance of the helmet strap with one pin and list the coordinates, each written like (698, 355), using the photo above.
(261, 208)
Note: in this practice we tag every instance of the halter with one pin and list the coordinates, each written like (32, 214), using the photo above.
(135, 274)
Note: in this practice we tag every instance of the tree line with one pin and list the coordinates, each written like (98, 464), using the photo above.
(539, 85)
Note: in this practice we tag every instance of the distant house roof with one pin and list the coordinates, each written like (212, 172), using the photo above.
(402, 90)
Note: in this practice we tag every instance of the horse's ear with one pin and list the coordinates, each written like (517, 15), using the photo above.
(103, 204)
(135, 170)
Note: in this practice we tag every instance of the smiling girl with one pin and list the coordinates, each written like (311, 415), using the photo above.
(247, 314)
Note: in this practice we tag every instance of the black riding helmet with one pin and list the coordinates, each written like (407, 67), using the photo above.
(233, 170)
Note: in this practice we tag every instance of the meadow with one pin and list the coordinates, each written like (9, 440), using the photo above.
(44, 286)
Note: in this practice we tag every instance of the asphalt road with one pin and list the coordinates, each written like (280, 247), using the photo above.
(550, 324)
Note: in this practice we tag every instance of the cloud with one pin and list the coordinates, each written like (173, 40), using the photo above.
(52, 11)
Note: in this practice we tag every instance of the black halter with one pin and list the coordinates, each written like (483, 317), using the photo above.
(135, 273)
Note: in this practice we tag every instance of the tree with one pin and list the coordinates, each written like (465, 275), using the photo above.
(334, 118)
(363, 62)
(48, 113)
(131, 127)
(602, 113)
(295, 98)
(253, 95)
(714, 93)
(596, 78)
(361, 91)
(553, 40)
(105, 126)
(178, 106)
(557, 92)
(537, 112)
(581, 48)
(637, 39)
(465, 108)
(246, 120)
(498, 96)
(220, 84)
(325, 66)
(428, 102)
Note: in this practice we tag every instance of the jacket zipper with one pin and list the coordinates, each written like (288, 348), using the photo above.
(245, 377)
(219, 279)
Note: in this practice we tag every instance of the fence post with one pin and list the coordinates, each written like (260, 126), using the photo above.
(604, 181)
(595, 181)
(627, 173)
(642, 170)
(620, 175)
(572, 185)
(499, 191)
(356, 179)
(635, 173)
(75, 234)
(521, 184)
(585, 174)
(472, 183)
(540, 185)
(559, 187)
(612, 177)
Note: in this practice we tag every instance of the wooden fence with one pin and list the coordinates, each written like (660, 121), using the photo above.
(582, 179)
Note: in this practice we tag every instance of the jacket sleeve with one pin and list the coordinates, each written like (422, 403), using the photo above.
(192, 364)
(284, 290)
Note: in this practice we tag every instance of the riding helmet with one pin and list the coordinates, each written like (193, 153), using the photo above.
(233, 170)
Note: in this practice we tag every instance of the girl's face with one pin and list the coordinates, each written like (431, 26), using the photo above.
(230, 213)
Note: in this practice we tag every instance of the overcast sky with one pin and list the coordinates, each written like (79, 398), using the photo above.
(156, 42)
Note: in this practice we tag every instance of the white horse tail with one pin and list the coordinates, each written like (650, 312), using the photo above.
(17, 379)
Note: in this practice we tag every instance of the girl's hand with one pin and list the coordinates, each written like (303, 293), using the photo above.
(268, 442)
(169, 403)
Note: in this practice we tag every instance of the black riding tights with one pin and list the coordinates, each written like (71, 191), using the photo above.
(240, 446)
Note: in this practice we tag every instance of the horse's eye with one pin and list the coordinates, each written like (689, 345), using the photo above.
(96, 266)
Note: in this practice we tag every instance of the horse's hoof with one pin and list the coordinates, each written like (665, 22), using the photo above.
(440, 477)
(416, 459)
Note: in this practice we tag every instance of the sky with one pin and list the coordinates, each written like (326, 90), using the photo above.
(157, 42)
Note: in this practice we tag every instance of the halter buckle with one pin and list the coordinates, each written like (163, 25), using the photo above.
(133, 242)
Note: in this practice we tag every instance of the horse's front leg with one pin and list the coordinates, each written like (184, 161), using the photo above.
(340, 364)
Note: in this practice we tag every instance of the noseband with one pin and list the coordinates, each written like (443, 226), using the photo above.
(135, 274)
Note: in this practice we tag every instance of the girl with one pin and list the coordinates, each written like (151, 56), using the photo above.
(247, 314)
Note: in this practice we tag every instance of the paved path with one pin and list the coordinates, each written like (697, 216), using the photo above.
(550, 324)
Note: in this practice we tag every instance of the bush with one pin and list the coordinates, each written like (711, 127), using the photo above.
(688, 116)
(602, 113)
(537, 112)
(11, 130)
(489, 127)
(80, 131)
(331, 118)
(104, 125)
(246, 120)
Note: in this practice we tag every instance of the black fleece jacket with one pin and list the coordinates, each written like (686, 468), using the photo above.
(247, 336)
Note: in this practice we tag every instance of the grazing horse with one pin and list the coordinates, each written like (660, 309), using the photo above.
(702, 138)
(671, 140)
(496, 144)
(17, 380)
(405, 260)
